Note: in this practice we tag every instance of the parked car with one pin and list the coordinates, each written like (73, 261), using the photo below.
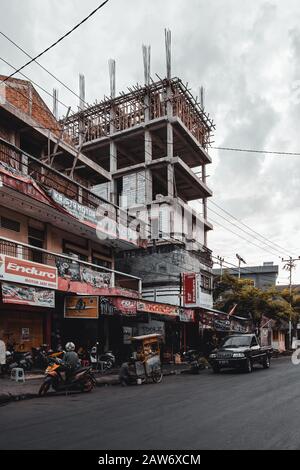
(240, 351)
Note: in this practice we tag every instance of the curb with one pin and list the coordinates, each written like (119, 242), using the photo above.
(101, 381)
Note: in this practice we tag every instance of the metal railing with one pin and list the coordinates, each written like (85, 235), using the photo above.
(71, 268)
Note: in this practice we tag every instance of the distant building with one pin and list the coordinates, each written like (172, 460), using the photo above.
(264, 276)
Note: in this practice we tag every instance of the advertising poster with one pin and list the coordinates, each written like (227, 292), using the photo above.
(27, 295)
(85, 306)
(27, 272)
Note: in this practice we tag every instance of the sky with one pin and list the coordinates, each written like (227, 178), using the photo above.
(245, 54)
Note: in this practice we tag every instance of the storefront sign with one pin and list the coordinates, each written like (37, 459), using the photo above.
(160, 309)
(81, 306)
(125, 306)
(27, 272)
(222, 325)
(95, 218)
(189, 288)
(186, 315)
(194, 293)
(27, 295)
(95, 278)
(154, 326)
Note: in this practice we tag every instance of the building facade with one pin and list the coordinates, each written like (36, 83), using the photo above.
(263, 277)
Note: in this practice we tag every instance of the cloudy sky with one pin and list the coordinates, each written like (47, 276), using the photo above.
(245, 54)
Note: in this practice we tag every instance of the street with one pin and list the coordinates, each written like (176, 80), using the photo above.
(226, 411)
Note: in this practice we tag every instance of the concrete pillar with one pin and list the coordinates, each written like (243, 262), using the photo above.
(148, 171)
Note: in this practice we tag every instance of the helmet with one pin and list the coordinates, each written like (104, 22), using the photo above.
(70, 346)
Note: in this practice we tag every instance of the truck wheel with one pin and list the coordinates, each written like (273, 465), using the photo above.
(248, 366)
(216, 369)
(267, 362)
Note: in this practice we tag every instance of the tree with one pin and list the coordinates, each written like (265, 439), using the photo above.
(252, 302)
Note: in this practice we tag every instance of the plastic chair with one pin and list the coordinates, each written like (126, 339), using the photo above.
(17, 374)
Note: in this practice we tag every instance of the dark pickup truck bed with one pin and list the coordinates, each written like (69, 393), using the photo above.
(240, 351)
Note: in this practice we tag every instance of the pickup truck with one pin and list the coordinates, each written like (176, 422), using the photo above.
(240, 351)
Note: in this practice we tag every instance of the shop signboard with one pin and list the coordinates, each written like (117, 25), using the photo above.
(156, 308)
(95, 278)
(221, 325)
(27, 272)
(152, 327)
(189, 288)
(194, 294)
(186, 315)
(85, 306)
(27, 295)
(125, 306)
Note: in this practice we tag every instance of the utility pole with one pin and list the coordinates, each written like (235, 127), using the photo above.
(240, 259)
(221, 261)
(289, 265)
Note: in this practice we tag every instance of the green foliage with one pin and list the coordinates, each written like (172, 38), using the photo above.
(253, 302)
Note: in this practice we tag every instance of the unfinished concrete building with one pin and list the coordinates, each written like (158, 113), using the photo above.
(151, 140)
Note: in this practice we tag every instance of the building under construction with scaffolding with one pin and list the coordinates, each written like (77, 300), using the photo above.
(153, 141)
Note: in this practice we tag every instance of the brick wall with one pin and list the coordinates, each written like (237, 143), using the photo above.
(22, 95)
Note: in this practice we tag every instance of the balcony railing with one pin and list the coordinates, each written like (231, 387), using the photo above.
(70, 268)
(21, 163)
(129, 111)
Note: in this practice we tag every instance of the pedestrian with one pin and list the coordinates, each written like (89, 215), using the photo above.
(2, 353)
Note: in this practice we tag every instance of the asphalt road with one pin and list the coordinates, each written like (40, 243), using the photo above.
(226, 411)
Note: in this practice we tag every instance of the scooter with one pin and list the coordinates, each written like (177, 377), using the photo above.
(61, 378)
(195, 360)
(107, 359)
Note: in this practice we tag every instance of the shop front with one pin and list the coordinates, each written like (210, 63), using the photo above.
(215, 325)
(27, 302)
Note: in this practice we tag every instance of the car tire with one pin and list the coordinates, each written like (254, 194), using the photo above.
(248, 366)
(267, 362)
(216, 370)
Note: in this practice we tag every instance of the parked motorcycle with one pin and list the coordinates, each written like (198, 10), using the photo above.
(107, 359)
(40, 356)
(17, 359)
(195, 360)
(61, 378)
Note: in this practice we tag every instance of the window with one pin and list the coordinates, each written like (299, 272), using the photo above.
(253, 342)
(206, 282)
(75, 251)
(101, 262)
(10, 224)
(36, 238)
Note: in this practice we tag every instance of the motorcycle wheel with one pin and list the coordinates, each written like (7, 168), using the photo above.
(88, 385)
(45, 387)
(109, 364)
(157, 376)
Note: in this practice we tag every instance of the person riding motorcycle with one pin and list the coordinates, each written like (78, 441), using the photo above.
(71, 359)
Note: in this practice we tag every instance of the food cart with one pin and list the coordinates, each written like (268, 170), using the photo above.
(145, 362)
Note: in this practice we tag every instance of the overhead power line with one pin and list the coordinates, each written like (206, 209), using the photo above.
(36, 84)
(57, 41)
(41, 66)
(247, 226)
(256, 151)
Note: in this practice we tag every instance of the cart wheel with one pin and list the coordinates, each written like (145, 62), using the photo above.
(157, 376)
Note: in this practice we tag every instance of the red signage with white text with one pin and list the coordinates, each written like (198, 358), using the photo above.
(189, 288)
(27, 272)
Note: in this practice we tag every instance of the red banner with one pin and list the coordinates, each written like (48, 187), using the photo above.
(27, 272)
(125, 306)
(189, 288)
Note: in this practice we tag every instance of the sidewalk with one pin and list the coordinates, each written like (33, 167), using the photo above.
(13, 391)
